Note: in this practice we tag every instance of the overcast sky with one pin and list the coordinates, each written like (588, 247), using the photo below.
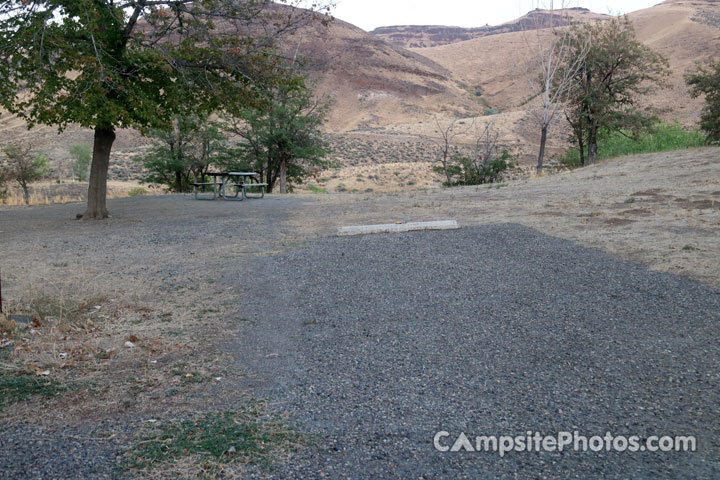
(369, 14)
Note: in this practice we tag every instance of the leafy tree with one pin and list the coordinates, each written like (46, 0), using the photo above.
(108, 64)
(82, 155)
(707, 82)
(282, 137)
(21, 167)
(182, 154)
(604, 93)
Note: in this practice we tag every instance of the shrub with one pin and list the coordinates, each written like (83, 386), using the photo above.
(137, 191)
(662, 137)
(491, 111)
(315, 189)
(20, 167)
(82, 155)
(464, 171)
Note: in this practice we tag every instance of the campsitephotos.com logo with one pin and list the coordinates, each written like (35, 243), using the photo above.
(562, 441)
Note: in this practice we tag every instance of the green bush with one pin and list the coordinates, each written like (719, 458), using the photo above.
(137, 191)
(82, 156)
(706, 82)
(315, 189)
(491, 111)
(464, 171)
(662, 137)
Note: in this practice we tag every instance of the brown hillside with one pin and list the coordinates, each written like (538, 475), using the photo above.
(385, 96)
(423, 36)
(375, 84)
(503, 65)
(371, 84)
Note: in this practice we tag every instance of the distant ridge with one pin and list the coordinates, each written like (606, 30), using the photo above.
(425, 36)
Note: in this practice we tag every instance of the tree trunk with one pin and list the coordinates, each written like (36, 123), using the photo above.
(178, 181)
(283, 176)
(26, 193)
(592, 145)
(541, 155)
(445, 166)
(97, 188)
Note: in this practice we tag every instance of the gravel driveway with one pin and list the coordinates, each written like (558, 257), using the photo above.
(375, 343)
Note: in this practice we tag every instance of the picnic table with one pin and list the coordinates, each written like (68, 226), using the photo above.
(232, 185)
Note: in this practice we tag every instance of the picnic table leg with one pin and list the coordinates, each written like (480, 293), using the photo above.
(246, 185)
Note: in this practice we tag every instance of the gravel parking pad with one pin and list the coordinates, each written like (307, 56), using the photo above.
(375, 343)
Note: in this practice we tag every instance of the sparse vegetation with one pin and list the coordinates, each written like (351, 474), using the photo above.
(316, 189)
(16, 387)
(137, 191)
(661, 137)
(465, 171)
(212, 442)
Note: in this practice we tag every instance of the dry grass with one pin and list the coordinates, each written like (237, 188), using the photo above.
(104, 345)
(50, 193)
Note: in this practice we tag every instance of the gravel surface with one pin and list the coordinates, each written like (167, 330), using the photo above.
(33, 452)
(374, 343)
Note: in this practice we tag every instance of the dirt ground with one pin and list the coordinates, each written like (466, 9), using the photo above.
(152, 274)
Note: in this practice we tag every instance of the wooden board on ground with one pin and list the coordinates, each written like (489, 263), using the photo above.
(398, 227)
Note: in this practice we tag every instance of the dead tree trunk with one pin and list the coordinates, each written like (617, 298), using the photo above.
(97, 188)
(541, 154)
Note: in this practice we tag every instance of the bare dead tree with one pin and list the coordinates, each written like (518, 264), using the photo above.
(558, 65)
(448, 135)
(485, 150)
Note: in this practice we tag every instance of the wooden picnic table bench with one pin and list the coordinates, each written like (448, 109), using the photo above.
(241, 182)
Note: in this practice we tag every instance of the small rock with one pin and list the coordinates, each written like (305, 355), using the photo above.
(129, 344)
